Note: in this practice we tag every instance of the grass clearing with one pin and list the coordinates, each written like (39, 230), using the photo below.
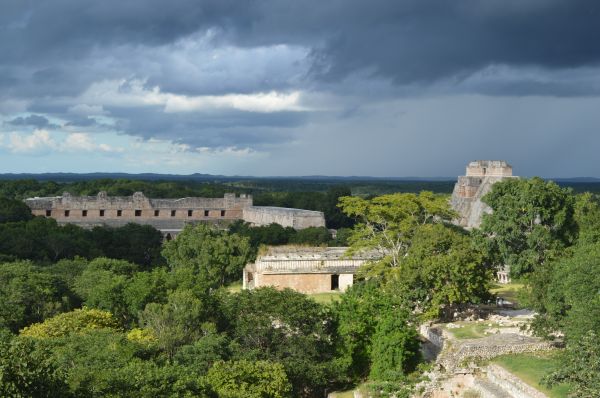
(326, 298)
(531, 368)
(235, 287)
(472, 330)
(344, 394)
(509, 291)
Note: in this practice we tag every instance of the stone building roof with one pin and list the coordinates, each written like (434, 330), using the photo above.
(305, 260)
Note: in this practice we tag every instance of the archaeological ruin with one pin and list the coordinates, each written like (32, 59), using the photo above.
(470, 188)
(304, 269)
(167, 215)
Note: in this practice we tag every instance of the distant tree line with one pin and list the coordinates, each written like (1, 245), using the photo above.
(40, 239)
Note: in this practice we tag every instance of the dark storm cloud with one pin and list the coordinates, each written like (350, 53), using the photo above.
(407, 41)
(344, 55)
(199, 129)
(32, 120)
(82, 122)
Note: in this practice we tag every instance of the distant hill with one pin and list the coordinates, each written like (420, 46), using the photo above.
(65, 177)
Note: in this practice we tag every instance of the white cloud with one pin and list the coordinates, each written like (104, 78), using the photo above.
(78, 142)
(133, 93)
(84, 142)
(38, 141)
(259, 102)
(41, 142)
(233, 151)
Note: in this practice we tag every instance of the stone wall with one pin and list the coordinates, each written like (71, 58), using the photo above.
(100, 208)
(305, 283)
(305, 269)
(491, 347)
(511, 384)
(167, 214)
(491, 168)
(295, 218)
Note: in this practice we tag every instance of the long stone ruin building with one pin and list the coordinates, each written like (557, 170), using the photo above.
(304, 269)
(470, 188)
(167, 215)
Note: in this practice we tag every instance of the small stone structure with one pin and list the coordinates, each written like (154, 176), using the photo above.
(508, 382)
(470, 188)
(304, 269)
(295, 218)
(491, 347)
(167, 215)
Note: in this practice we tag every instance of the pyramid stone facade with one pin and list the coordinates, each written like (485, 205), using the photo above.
(470, 188)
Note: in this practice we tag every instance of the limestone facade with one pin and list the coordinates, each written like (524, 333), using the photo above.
(304, 269)
(295, 218)
(470, 188)
(167, 215)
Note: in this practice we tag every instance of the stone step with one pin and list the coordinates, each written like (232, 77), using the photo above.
(488, 389)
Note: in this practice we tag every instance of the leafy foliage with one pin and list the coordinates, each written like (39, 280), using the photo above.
(440, 271)
(28, 294)
(177, 322)
(77, 321)
(43, 240)
(360, 312)
(388, 223)
(245, 379)
(26, 370)
(12, 210)
(214, 256)
(285, 327)
(580, 366)
(531, 223)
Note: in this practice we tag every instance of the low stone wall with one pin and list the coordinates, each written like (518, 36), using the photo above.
(511, 383)
(491, 347)
(295, 218)
(433, 334)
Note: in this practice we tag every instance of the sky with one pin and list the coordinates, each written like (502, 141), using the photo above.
(288, 88)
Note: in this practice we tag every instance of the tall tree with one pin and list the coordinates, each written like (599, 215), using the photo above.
(531, 223)
(388, 223)
(286, 327)
(214, 256)
(441, 270)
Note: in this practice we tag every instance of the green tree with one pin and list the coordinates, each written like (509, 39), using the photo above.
(28, 295)
(176, 323)
(580, 367)
(358, 315)
(249, 379)
(214, 256)
(102, 285)
(567, 295)
(440, 271)
(285, 327)
(204, 352)
(77, 321)
(314, 236)
(531, 223)
(139, 244)
(14, 210)
(334, 217)
(587, 216)
(388, 223)
(395, 348)
(26, 370)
